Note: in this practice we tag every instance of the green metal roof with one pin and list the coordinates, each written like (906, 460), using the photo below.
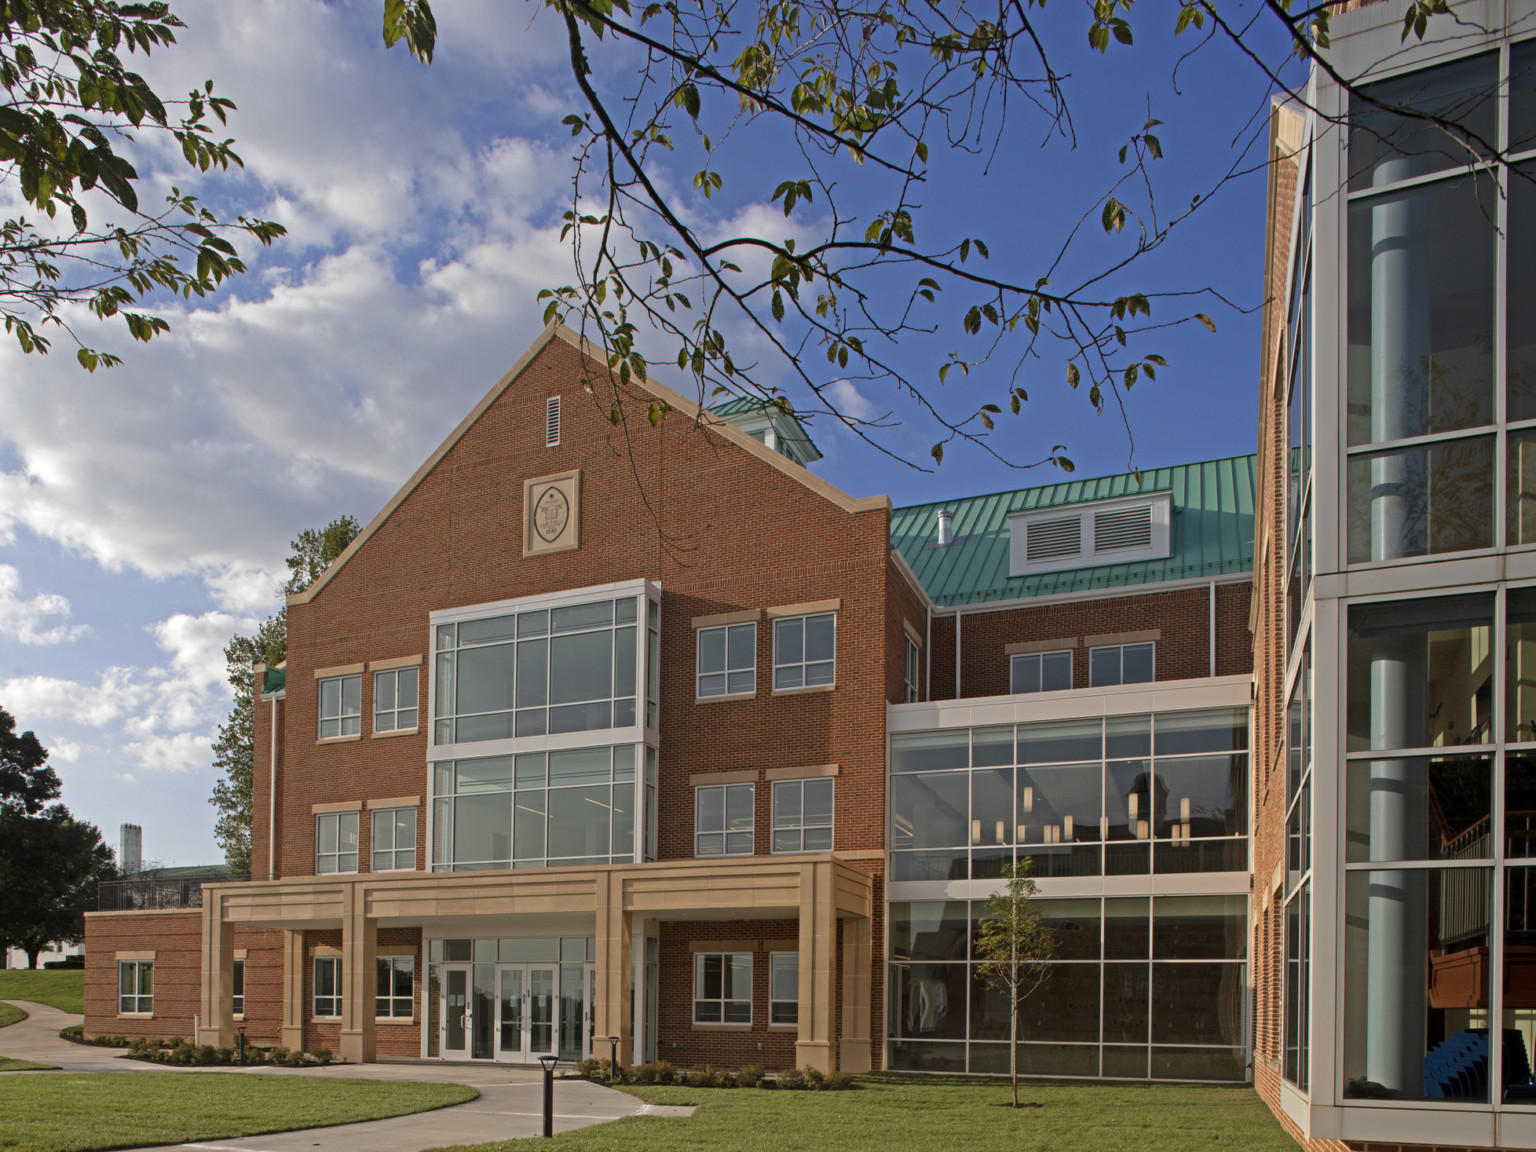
(1212, 534)
(273, 680)
(753, 406)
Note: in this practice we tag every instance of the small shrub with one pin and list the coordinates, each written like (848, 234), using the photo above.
(322, 1056)
(588, 1069)
(704, 1077)
(73, 1032)
(792, 1078)
(815, 1078)
(665, 1073)
(839, 1082)
(206, 1054)
(175, 1042)
(295, 1059)
(279, 1054)
(751, 1076)
(226, 1055)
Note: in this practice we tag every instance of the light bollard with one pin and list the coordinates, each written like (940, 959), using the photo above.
(549, 1063)
(613, 1060)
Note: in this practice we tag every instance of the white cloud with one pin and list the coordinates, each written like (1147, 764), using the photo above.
(90, 705)
(848, 400)
(178, 752)
(24, 619)
(62, 751)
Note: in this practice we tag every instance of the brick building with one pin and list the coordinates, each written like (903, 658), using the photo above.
(660, 736)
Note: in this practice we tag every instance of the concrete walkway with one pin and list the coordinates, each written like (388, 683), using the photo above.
(510, 1104)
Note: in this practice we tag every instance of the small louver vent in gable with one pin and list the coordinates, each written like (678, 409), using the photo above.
(1053, 539)
(1124, 528)
(552, 422)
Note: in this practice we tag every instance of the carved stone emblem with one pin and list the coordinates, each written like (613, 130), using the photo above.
(552, 513)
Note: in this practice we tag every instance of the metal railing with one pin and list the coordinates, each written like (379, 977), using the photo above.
(149, 891)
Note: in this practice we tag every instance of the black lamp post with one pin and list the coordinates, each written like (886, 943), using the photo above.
(613, 1060)
(549, 1063)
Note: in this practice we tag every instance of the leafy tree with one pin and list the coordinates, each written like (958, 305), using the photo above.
(873, 126)
(234, 749)
(1016, 945)
(50, 863)
(70, 104)
(26, 781)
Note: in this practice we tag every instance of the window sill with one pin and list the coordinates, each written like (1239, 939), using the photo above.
(707, 1027)
(348, 872)
(795, 1027)
(801, 851)
(805, 690)
(325, 1019)
(377, 735)
(394, 1019)
(725, 856)
(339, 739)
(390, 871)
(726, 697)
(135, 1015)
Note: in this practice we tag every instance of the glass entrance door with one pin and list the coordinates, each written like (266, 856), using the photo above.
(456, 1012)
(526, 995)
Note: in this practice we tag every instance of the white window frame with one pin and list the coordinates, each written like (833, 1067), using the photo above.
(388, 817)
(338, 818)
(347, 724)
(724, 832)
(138, 1003)
(237, 989)
(333, 1000)
(779, 963)
(394, 715)
(799, 826)
(724, 1003)
(912, 672)
(803, 664)
(1024, 657)
(1152, 644)
(727, 672)
(391, 1002)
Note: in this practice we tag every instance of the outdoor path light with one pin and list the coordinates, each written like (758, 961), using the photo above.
(549, 1063)
(613, 1060)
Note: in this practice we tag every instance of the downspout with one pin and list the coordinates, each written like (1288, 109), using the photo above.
(1213, 628)
(928, 652)
(957, 653)
(272, 803)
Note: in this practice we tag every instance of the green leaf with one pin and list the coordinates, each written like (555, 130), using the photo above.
(1206, 320)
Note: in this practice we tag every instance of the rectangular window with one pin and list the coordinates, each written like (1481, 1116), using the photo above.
(1041, 672)
(341, 706)
(723, 820)
(912, 673)
(728, 660)
(394, 700)
(784, 988)
(335, 842)
(1120, 664)
(393, 996)
(802, 815)
(237, 989)
(135, 987)
(552, 422)
(541, 672)
(805, 651)
(394, 839)
(722, 988)
(327, 987)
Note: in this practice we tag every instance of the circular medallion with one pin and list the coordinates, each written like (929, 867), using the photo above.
(551, 513)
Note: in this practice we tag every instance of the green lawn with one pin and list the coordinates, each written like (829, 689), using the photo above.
(913, 1115)
(10, 1014)
(9, 1065)
(61, 989)
(72, 1112)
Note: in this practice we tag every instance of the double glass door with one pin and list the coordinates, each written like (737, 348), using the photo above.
(516, 1012)
(527, 1023)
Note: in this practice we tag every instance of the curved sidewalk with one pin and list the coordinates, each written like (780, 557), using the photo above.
(510, 1104)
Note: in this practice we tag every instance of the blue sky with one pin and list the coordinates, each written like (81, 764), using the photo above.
(145, 512)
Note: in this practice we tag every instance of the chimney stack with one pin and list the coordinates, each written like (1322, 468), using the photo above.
(130, 853)
(946, 528)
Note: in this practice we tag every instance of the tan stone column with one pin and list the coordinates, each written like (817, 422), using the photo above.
(293, 989)
(853, 1046)
(216, 1005)
(613, 1014)
(816, 1046)
(359, 976)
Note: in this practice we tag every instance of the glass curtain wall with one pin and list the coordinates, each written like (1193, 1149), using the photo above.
(1296, 984)
(570, 955)
(1140, 988)
(539, 809)
(1128, 795)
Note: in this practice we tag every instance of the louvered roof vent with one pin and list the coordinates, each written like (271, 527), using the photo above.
(1088, 535)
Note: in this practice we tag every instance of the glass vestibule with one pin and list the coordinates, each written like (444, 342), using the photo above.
(511, 999)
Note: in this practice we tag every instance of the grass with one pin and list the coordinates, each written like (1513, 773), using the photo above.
(929, 1115)
(63, 989)
(9, 1065)
(74, 1113)
(10, 1014)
